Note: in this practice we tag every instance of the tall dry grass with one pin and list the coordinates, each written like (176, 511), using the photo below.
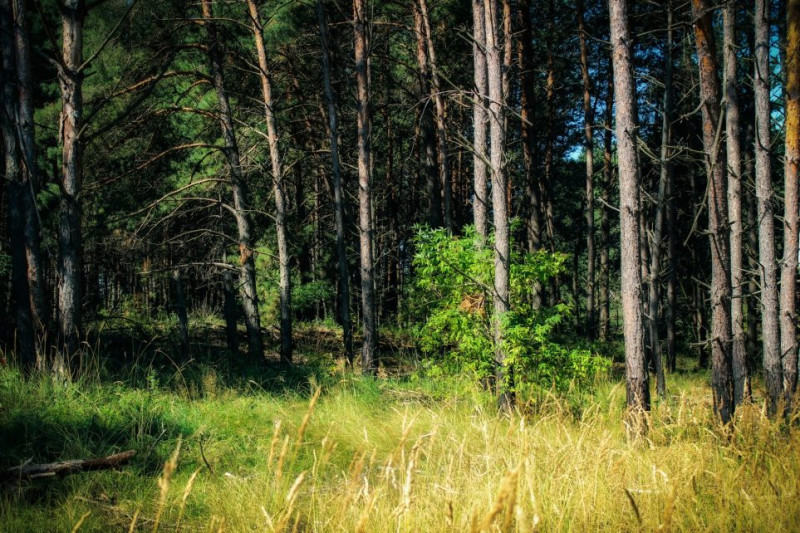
(391, 457)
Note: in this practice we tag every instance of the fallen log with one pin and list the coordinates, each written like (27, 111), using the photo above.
(63, 468)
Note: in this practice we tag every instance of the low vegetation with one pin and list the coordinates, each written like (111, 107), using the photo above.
(331, 451)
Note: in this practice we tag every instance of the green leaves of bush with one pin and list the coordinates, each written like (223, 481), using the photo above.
(452, 295)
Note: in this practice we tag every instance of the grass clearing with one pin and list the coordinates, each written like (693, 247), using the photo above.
(389, 455)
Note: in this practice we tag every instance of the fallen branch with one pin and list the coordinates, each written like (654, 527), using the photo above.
(63, 468)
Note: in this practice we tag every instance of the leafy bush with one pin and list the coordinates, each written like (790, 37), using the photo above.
(453, 293)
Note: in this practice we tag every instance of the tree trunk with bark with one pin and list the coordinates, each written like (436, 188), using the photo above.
(70, 240)
(30, 175)
(365, 230)
(247, 270)
(636, 380)
(654, 292)
(441, 118)
(16, 186)
(502, 246)
(721, 364)
(278, 187)
(588, 125)
(432, 178)
(734, 159)
(604, 325)
(527, 116)
(480, 120)
(770, 327)
(338, 192)
(792, 205)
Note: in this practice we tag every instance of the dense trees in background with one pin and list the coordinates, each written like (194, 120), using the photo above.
(274, 163)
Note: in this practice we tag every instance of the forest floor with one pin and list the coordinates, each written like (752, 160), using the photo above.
(318, 449)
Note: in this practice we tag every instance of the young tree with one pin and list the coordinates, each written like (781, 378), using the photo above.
(502, 245)
(247, 270)
(636, 380)
(721, 379)
(766, 217)
(792, 205)
(338, 198)
(365, 230)
(278, 186)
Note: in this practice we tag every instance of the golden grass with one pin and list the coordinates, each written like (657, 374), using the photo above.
(343, 462)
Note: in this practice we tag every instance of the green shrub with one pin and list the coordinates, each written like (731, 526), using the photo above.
(453, 291)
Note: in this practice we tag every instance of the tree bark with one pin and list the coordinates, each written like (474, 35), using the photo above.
(588, 125)
(247, 270)
(721, 364)
(338, 193)
(605, 217)
(432, 178)
(792, 205)
(70, 279)
(766, 218)
(365, 230)
(502, 246)
(16, 186)
(441, 118)
(30, 174)
(638, 393)
(734, 160)
(278, 187)
(480, 120)
(654, 292)
(63, 468)
(527, 115)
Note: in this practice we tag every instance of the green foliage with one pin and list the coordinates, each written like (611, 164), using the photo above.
(453, 295)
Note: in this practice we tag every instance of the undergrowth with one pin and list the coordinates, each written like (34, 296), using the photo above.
(339, 452)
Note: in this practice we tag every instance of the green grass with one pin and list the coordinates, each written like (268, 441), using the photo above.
(387, 455)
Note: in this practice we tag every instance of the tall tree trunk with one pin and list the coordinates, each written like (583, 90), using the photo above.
(441, 118)
(754, 271)
(588, 124)
(368, 309)
(654, 296)
(278, 187)
(502, 245)
(16, 186)
(636, 380)
(721, 364)
(30, 174)
(734, 159)
(70, 279)
(338, 193)
(766, 217)
(532, 185)
(792, 205)
(480, 120)
(247, 270)
(432, 179)
(605, 218)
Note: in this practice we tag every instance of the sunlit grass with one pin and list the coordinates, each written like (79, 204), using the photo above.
(387, 455)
